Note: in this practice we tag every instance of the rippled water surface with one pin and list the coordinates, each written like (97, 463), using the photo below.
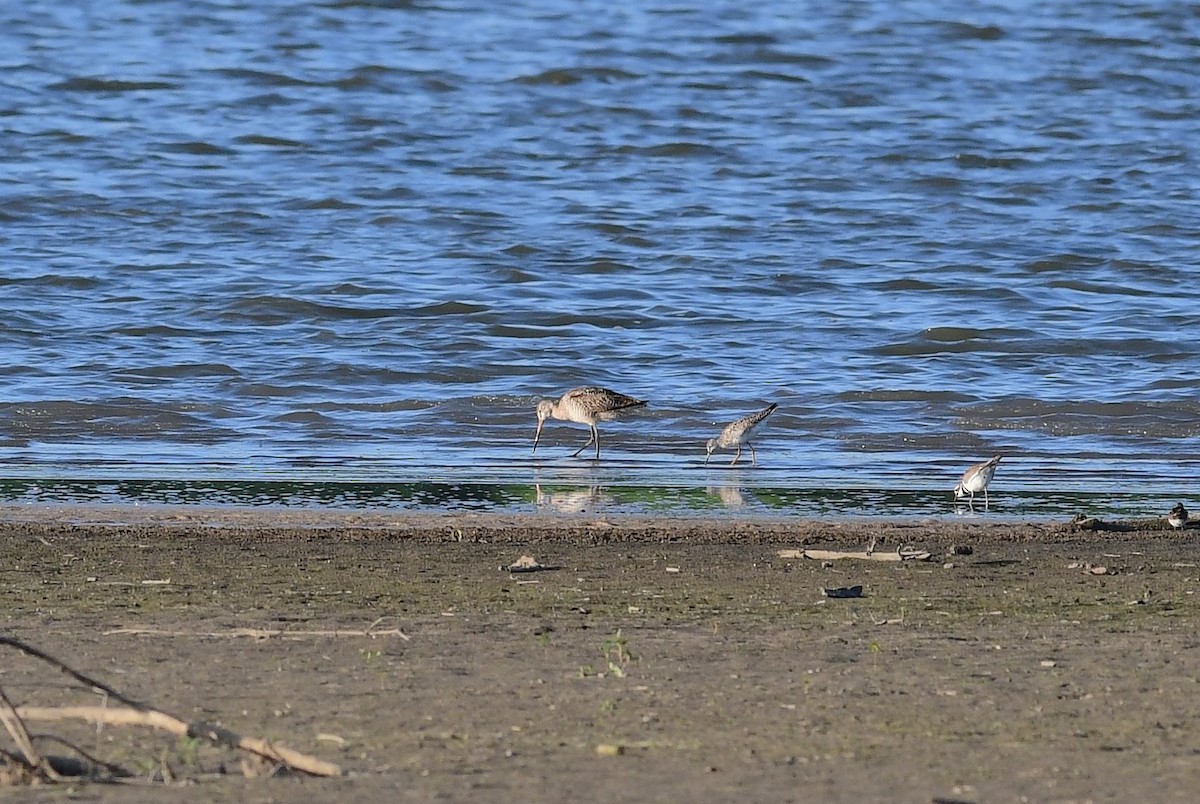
(346, 246)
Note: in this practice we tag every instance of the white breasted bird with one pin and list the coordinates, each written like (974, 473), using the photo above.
(737, 433)
(976, 479)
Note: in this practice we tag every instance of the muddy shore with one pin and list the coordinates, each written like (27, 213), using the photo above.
(653, 660)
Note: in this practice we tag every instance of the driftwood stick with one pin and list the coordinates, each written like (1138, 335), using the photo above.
(16, 727)
(141, 714)
(161, 720)
(255, 633)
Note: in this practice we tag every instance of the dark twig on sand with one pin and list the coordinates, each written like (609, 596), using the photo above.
(88, 681)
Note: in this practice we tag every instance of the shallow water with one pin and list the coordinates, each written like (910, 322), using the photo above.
(346, 246)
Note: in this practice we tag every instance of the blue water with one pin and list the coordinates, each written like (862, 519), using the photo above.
(354, 242)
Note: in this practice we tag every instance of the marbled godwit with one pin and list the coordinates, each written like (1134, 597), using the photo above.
(1178, 516)
(738, 432)
(584, 406)
(976, 479)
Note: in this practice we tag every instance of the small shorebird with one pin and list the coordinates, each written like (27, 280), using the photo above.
(584, 406)
(1178, 516)
(734, 434)
(976, 479)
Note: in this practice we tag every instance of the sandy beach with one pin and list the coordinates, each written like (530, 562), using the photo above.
(650, 660)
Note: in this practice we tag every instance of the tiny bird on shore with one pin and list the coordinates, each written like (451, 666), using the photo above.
(584, 406)
(976, 479)
(1178, 516)
(737, 433)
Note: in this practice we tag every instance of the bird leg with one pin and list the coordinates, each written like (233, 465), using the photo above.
(985, 498)
(737, 455)
(596, 437)
(753, 457)
(591, 437)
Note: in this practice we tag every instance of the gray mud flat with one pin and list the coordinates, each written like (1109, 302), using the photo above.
(657, 660)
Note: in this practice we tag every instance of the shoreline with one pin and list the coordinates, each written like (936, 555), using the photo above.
(574, 497)
(543, 527)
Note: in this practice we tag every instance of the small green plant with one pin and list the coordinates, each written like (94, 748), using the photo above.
(155, 770)
(616, 653)
(146, 768)
(370, 657)
(608, 706)
(189, 752)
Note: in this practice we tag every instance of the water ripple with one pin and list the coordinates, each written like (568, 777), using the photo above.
(360, 238)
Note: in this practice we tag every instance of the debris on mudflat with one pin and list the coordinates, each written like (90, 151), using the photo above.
(902, 554)
(526, 564)
(914, 554)
(1090, 568)
(844, 591)
(1084, 522)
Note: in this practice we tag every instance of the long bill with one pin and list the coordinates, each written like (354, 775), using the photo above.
(538, 434)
